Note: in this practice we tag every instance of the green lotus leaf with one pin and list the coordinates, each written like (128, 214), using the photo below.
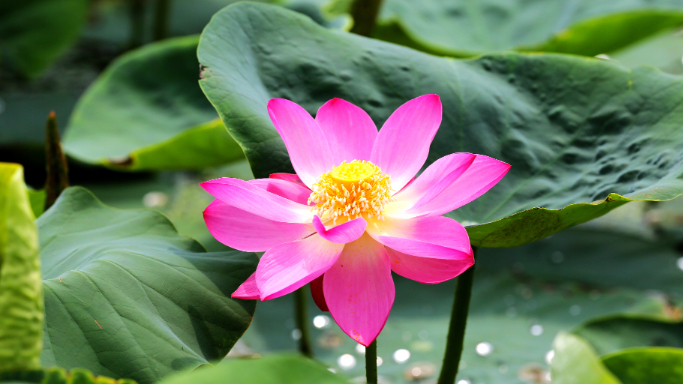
(146, 112)
(460, 28)
(583, 136)
(127, 297)
(575, 362)
(21, 294)
(612, 333)
(646, 365)
(57, 375)
(36, 32)
(277, 369)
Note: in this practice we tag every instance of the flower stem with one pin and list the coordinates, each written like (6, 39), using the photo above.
(364, 14)
(371, 363)
(56, 165)
(456, 328)
(301, 317)
(162, 11)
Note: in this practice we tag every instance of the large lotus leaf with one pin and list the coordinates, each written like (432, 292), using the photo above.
(556, 283)
(21, 294)
(279, 369)
(55, 375)
(583, 136)
(575, 362)
(663, 51)
(127, 297)
(613, 333)
(146, 112)
(462, 28)
(647, 365)
(36, 32)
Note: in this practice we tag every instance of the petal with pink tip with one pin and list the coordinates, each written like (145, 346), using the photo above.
(437, 237)
(253, 199)
(248, 232)
(349, 130)
(317, 293)
(427, 270)
(305, 141)
(342, 233)
(482, 175)
(293, 177)
(359, 290)
(247, 290)
(287, 189)
(289, 266)
(402, 144)
(437, 177)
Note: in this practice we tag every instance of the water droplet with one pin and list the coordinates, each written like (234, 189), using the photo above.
(420, 371)
(511, 312)
(602, 56)
(330, 340)
(484, 348)
(379, 361)
(557, 257)
(155, 199)
(679, 263)
(346, 361)
(360, 349)
(464, 381)
(401, 355)
(321, 321)
(574, 310)
(503, 369)
(296, 334)
(549, 356)
(537, 330)
(423, 334)
(332, 370)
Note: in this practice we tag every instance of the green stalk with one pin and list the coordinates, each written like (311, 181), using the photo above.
(162, 12)
(57, 168)
(137, 24)
(301, 317)
(371, 363)
(456, 328)
(364, 14)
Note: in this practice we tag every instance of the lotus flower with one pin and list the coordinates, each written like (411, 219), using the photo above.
(353, 212)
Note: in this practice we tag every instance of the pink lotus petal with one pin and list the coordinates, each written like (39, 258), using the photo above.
(342, 233)
(306, 144)
(437, 177)
(482, 175)
(349, 130)
(293, 177)
(317, 293)
(359, 290)
(403, 142)
(287, 189)
(247, 290)
(253, 199)
(437, 237)
(248, 232)
(427, 270)
(289, 266)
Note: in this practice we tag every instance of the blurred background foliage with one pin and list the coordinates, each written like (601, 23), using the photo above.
(122, 77)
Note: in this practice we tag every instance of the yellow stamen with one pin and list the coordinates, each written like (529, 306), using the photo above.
(351, 190)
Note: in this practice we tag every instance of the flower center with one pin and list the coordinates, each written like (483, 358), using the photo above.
(351, 190)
